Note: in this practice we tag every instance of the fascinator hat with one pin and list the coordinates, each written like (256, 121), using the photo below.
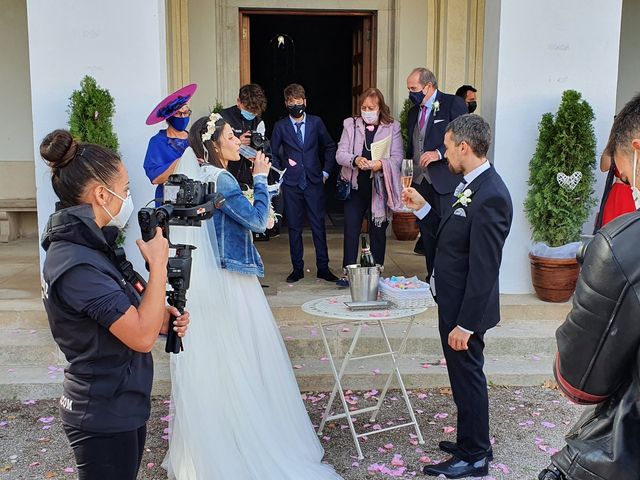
(170, 105)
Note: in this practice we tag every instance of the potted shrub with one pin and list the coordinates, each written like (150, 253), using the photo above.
(91, 111)
(560, 195)
(404, 224)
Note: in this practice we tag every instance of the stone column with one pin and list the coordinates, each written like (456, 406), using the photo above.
(122, 45)
(532, 53)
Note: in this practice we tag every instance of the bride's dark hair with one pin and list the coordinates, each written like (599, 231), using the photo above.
(196, 131)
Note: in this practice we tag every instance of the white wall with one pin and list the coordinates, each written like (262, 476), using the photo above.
(15, 94)
(541, 52)
(629, 68)
(122, 44)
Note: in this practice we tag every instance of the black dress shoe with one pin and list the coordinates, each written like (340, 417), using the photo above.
(295, 276)
(326, 274)
(419, 248)
(456, 468)
(452, 449)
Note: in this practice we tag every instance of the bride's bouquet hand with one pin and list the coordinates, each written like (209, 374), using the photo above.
(261, 164)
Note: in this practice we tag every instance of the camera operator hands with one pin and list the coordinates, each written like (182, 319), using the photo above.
(180, 324)
(245, 138)
(139, 327)
(261, 164)
(155, 252)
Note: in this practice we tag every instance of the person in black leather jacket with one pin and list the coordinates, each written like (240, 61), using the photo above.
(98, 319)
(598, 359)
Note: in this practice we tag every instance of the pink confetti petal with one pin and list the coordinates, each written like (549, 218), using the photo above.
(151, 465)
(69, 470)
(448, 429)
(46, 419)
(548, 425)
(502, 467)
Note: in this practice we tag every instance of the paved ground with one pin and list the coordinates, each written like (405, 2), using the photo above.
(527, 424)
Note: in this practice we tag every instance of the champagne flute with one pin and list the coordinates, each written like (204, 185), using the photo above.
(407, 172)
(250, 153)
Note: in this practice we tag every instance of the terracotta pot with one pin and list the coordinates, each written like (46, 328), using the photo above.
(405, 226)
(554, 279)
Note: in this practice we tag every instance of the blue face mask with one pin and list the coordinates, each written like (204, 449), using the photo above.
(179, 123)
(416, 97)
(247, 115)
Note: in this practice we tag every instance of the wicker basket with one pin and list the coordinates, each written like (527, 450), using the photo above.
(409, 298)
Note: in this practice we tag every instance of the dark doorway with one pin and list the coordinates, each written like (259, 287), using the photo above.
(329, 53)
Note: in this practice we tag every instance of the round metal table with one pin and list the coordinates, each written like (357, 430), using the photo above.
(333, 311)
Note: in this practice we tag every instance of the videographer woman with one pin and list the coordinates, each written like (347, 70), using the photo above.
(98, 320)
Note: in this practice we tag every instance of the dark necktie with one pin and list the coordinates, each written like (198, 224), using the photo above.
(299, 133)
(423, 114)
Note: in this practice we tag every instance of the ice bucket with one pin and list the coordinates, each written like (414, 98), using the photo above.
(363, 282)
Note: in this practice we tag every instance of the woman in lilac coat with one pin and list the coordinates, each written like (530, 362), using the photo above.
(375, 184)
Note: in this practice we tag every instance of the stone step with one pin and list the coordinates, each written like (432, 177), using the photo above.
(528, 338)
(30, 382)
(285, 304)
(511, 370)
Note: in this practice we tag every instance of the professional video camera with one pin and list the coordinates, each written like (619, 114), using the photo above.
(186, 202)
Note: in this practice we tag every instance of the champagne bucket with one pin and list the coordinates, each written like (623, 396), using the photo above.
(363, 282)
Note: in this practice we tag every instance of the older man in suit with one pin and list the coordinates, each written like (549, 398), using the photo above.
(426, 122)
(297, 143)
(476, 222)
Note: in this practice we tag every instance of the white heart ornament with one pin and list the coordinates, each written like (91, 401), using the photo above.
(569, 182)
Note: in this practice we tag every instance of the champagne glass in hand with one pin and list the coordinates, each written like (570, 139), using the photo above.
(407, 172)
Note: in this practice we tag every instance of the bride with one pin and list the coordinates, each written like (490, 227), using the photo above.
(236, 409)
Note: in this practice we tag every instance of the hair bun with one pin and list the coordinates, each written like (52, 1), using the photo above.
(58, 149)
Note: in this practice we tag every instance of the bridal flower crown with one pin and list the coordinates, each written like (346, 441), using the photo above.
(211, 126)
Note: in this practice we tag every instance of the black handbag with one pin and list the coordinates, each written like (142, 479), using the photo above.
(343, 187)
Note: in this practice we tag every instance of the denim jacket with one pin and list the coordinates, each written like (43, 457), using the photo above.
(237, 219)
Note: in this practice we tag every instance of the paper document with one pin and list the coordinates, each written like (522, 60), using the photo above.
(381, 149)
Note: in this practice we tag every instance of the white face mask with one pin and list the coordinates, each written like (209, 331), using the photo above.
(370, 117)
(635, 191)
(122, 217)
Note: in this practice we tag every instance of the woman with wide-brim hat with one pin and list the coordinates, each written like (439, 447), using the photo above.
(168, 145)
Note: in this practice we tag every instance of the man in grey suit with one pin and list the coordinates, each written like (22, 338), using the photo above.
(427, 120)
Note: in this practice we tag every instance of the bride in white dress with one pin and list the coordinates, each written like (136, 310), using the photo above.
(236, 408)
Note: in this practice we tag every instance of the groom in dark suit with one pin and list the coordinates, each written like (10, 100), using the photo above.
(426, 122)
(297, 143)
(476, 222)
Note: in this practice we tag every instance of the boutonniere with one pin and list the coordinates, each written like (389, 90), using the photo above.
(436, 107)
(464, 198)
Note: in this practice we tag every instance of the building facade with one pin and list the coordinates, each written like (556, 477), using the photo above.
(519, 55)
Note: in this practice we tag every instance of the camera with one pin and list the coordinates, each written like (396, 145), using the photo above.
(258, 140)
(187, 202)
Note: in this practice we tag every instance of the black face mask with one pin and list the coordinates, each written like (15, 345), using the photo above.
(295, 111)
(472, 106)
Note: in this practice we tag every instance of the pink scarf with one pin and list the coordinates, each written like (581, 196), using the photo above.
(386, 195)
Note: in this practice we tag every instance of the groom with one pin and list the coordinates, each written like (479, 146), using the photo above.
(469, 240)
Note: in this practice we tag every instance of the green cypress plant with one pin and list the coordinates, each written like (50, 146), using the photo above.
(90, 112)
(566, 145)
(404, 120)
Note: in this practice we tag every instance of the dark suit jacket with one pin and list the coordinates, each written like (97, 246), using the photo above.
(469, 252)
(451, 106)
(317, 141)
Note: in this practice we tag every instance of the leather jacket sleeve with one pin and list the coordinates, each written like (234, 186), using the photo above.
(599, 340)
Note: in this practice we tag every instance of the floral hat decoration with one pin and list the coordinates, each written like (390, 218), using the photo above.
(171, 104)
(212, 124)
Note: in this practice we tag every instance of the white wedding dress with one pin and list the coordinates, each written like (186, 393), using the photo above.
(236, 408)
